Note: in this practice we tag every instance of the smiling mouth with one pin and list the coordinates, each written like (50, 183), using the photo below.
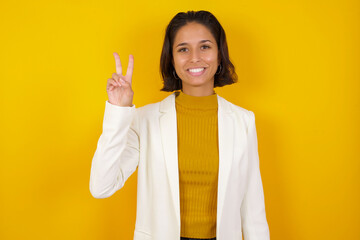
(196, 71)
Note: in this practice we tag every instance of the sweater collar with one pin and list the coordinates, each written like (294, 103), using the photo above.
(194, 102)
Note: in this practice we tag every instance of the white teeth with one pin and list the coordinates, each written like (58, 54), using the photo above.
(195, 70)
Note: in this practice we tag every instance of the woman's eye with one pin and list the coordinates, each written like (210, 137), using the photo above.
(185, 49)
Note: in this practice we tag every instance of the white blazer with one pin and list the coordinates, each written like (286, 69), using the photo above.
(146, 137)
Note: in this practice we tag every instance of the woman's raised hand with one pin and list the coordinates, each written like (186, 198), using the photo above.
(118, 87)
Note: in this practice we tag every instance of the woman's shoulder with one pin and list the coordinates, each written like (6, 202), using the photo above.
(168, 104)
(156, 107)
(232, 107)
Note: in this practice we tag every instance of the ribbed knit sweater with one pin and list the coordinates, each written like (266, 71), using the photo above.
(198, 156)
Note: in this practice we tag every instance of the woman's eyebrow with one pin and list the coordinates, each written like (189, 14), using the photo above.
(184, 43)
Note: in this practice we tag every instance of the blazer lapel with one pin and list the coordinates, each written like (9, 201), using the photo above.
(168, 128)
(226, 148)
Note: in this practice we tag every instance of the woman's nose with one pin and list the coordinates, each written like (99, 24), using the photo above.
(195, 56)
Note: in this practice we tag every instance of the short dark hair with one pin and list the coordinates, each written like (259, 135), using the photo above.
(227, 74)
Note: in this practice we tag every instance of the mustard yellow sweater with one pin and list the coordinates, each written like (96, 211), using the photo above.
(198, 156)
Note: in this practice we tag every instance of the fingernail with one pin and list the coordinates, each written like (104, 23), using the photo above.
(122, 81)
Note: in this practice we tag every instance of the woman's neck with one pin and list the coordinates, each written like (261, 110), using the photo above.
(198, 92)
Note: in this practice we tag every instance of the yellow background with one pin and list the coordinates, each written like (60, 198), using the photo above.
(298, 68)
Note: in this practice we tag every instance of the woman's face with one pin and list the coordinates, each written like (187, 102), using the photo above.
(195, 56)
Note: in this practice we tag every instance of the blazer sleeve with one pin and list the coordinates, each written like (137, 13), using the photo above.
(253, 216)
(117, 153)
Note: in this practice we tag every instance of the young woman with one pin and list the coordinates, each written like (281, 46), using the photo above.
(196, 153)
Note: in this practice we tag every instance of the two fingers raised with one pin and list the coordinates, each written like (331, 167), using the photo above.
(129, 70)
